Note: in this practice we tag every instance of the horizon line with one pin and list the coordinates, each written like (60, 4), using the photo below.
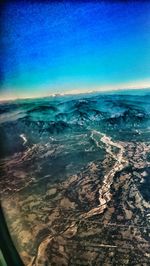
(72, 92)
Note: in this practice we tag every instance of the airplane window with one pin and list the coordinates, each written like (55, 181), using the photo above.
(75, 133)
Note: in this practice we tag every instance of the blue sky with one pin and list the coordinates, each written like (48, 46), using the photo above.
(60, 47)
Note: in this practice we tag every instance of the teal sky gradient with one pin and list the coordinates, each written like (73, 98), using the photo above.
(66, 46)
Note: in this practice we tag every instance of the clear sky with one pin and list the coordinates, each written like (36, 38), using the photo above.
(60, 47)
